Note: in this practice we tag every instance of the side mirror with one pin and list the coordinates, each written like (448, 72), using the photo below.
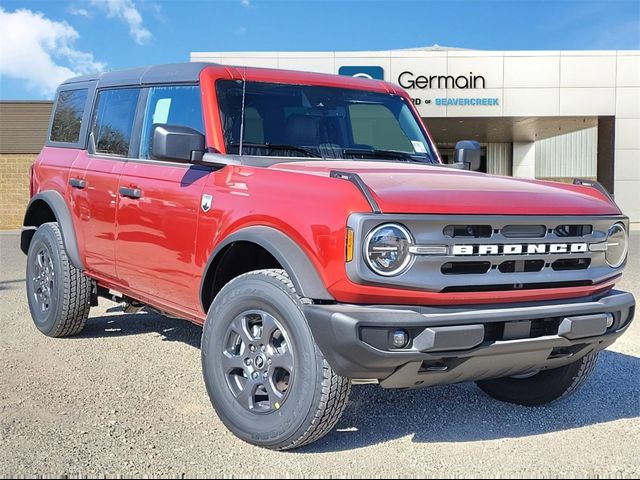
(467, 154)
(177, 143)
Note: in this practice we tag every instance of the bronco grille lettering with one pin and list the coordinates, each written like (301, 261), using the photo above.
(519, 249)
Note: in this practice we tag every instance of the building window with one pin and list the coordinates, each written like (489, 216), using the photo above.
(113, 121)
(177, 105)
(67, 118)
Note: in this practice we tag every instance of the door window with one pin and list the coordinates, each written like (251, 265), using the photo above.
(174, 105)
(113, 122)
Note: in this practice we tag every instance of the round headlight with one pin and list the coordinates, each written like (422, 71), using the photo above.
(617, 245)
(387, 249)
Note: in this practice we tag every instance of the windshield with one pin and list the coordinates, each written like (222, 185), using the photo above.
(315, 121)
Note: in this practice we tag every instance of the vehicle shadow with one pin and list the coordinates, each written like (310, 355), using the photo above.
(451, 413)
(463, 413)
(125, 324)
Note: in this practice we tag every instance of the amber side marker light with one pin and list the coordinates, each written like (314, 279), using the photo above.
(349, 244)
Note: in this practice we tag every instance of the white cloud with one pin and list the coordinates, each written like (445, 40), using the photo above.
(78, 12)
(245, 3)
(41, 51)
(126, 11)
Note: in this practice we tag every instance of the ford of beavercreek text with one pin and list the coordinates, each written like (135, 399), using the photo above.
(308, 223)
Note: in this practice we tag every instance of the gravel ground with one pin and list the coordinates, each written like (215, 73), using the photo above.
(126, 398)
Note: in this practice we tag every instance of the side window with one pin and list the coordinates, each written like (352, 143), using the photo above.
(172, 105)
(113, 121)
(67, 118)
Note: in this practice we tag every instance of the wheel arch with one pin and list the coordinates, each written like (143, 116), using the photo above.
(50, 206)
(277, 250)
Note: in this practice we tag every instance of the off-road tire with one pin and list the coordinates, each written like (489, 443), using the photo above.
(544, 387)
(317, 396)
(69, 299)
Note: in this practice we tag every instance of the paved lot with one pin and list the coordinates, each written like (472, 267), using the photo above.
(126, 398)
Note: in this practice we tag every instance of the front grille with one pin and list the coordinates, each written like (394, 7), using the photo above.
(524, 231)
(465, 268)
(468, 231)
(573, 230)
(571, 264)
(524, 235)
(513, 266)
(484, 253)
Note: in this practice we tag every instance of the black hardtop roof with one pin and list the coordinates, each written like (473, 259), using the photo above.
(169, 73)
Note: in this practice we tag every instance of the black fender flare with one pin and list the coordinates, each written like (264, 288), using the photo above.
(288, 253)
(58, 206)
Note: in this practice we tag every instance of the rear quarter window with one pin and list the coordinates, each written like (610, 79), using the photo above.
(67, 118)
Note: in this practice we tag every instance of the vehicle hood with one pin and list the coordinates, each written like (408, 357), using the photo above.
(408, 188)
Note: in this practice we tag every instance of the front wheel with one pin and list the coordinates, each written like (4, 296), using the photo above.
(266, 377)
(544, 387)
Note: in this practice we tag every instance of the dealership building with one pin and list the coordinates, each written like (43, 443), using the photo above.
(537, 114)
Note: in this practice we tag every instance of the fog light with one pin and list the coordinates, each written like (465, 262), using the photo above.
(610, 320)
(400, 338)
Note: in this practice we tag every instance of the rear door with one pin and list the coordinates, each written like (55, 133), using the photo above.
(96, 174)
(158, 205)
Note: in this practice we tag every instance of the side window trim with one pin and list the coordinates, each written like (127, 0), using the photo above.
(86, 114)
(138, 122)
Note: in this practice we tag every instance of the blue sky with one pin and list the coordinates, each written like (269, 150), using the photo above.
(43, 42)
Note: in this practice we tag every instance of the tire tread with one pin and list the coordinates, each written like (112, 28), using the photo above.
(74, 309)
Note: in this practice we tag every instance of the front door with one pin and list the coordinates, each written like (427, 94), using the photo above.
(158, 206)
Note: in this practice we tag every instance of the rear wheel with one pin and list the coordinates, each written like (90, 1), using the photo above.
(267, 379)
(59, 294)
(544, 387)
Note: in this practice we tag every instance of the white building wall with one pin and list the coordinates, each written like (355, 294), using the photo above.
(627, 132)
(572, 155)
(524, 159)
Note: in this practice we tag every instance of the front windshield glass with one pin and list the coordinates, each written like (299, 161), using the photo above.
(315, 121)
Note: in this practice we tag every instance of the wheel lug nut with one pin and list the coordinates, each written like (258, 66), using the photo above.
(264, 375)
(252, 348)
(254, 375)
(269, 361)
(247, 361)
(263, 348)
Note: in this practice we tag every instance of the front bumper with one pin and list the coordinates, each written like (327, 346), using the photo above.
(457, 344)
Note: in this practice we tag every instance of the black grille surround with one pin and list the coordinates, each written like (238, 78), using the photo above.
(496, 270)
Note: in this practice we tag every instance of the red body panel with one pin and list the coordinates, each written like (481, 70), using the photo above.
(401, 188)
(155, 238)
(95, 210)
(156, 248)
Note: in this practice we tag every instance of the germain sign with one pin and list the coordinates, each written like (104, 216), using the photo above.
(409, 80)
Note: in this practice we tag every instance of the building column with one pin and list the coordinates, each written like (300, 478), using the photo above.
(606, 146)
(524, 159)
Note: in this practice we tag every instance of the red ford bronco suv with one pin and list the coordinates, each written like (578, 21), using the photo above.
(308, 223)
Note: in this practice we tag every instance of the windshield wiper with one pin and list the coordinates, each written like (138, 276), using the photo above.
(377, 153)
(278, 146)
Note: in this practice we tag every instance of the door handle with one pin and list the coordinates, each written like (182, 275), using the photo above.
(77, 183)
(130, 192)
